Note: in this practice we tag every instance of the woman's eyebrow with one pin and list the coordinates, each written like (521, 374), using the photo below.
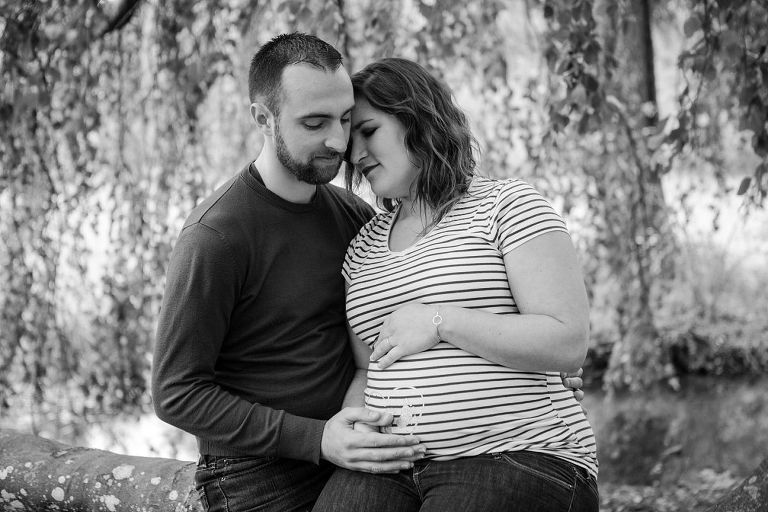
(360, 123)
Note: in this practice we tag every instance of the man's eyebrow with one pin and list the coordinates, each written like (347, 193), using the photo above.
(316, 115)
(324, 115)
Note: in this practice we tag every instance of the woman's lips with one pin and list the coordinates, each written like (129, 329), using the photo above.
(366, 170)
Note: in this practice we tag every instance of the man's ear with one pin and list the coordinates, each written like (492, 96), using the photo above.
(265, 121)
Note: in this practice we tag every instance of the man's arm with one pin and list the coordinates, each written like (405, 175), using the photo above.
(202, 288)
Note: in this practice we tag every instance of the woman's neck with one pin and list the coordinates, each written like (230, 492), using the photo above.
(415, 209)
(413, 222)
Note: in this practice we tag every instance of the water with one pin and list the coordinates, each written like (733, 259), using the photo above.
(662, 436)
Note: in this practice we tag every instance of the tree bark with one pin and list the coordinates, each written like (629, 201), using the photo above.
(749, 496)
(644, 239)
(39, 474)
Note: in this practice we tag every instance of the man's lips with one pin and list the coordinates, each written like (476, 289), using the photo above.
(328, 158)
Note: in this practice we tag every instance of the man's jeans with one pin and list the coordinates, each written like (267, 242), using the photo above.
(501, 481)
(240, 484)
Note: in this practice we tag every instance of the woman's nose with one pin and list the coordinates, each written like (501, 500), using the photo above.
(357, 152)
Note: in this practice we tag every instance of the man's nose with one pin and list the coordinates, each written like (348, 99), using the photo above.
(337, 139)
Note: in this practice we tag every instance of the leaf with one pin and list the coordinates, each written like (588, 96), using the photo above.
(584, 124)
(691, 26)
(710, 72)
(744, 186)
(305, 15)
(549, 11)
(6, 112)
(578, 95)
(591, 52)
(760, 143)
(731, 44)
(756, 116)
(590, 82)
(564, 67)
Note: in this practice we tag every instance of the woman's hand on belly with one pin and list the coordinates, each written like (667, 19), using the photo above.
(408, 330)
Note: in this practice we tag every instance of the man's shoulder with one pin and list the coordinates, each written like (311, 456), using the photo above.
(219, 206)
(345, 195)
(348, 199)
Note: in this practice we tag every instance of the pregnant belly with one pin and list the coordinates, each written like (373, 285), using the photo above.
(446, 394)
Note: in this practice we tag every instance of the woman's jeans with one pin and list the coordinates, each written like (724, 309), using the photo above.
(264, 484)
(510, 481)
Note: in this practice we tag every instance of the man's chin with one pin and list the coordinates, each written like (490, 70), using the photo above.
(319, 175)
(325, 173)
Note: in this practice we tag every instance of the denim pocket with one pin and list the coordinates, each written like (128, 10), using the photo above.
(254, 482)
(588, 481)
(236, 466)
(542, 466)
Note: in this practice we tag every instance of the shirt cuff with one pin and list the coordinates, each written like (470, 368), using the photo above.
(300, 438)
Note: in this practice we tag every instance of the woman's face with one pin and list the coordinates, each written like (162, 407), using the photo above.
(379, 152)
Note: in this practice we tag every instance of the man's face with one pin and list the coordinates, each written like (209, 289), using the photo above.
(312, 130)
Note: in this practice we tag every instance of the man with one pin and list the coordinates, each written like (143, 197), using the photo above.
(252, 355)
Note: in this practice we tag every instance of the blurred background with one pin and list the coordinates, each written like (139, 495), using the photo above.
(645, 122)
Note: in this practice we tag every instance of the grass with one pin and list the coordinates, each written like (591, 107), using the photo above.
(697, 493)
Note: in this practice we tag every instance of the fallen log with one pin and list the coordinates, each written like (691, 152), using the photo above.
(751, 495)
(38, 474)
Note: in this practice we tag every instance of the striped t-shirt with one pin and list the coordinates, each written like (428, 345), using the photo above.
(460, 404)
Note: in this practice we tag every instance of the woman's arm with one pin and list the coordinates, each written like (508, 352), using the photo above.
(549, 334)
(355, 396)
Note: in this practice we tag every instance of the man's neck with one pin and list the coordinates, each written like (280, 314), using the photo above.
(280, 181)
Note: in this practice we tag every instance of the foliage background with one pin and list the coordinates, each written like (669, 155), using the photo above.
(644, 121)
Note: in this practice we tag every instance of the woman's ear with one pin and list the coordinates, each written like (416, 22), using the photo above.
(265, 121)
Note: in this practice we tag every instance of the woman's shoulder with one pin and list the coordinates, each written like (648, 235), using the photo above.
(376, 226)
(486, 189)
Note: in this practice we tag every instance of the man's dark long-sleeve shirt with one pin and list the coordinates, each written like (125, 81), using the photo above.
(251, 353)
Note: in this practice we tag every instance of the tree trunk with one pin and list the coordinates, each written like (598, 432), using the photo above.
(749, 496)
(637, 359)
(39, 474)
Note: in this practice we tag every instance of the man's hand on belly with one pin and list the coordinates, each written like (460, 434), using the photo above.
(371, 451)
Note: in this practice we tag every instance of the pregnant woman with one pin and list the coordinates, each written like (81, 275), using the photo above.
(465, 302)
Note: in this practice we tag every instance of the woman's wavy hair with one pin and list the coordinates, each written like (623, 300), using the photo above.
(437, 134)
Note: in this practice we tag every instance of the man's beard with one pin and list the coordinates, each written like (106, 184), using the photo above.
(305, 171)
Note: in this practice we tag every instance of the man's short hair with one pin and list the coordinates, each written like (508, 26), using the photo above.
(267, 65)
